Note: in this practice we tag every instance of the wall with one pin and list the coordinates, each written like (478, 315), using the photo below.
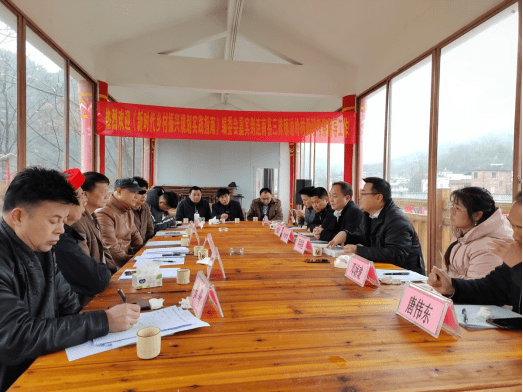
(218, 163)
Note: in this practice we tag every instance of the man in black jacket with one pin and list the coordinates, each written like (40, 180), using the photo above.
(38, 309)
(162, 205)
(193, 204)
(86, 276)
(503, 285)
(385, 234)
(322, 208)
(225, 208)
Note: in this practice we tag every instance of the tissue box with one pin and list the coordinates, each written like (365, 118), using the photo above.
(148, 276)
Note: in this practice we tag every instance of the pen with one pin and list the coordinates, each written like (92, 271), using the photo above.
(465, 318)
(120, 292)
(397, 273)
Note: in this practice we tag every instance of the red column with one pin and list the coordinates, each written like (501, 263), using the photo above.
(292, 178)
(153, 147)
(85, 96)
(349, 106)
(102, 97)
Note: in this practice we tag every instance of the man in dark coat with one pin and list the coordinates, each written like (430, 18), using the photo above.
(385, 234)
(162, 206)
(503, 285)
(193, 204)
(38, 309)
(225, 208)
(322, 209)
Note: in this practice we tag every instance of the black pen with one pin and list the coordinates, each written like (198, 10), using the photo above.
(396, 273)
(120, 292)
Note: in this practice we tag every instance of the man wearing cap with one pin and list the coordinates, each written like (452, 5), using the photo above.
(39, 312)
(86, 276)
(117, 221)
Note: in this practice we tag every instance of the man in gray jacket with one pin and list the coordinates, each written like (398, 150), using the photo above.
(38, 309)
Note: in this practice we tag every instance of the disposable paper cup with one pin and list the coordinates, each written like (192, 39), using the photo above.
(185, 221)
(183, 276)
(148, 342)
(222, 220)
(203, 253)
(197, 249)
(255, 219)
(236, 220)
(317, 251)
(185, 241)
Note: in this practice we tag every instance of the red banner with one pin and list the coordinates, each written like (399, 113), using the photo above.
(143, 121)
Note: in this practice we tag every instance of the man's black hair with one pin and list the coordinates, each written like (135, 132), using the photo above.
(265, 190)
(320, 192)
(346, 188)
(92, 178)
(171, 199)
(221, 192)
(379, 185)
(141, 182)
(195, 188)
(35, 185)
(518, 198)
(307, 191)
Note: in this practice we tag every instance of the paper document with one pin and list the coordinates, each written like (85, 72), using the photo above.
(165, 251)
(167, 273)
(165, 261)
(477, 322)
(169, 320)
(166, 233)
(162, 243)
(403, 275)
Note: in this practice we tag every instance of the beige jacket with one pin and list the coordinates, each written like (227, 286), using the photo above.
(275, 213)
(118, 231)
(470, 258)
(93, 245)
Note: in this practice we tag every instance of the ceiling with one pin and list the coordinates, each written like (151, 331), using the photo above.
(279, 55)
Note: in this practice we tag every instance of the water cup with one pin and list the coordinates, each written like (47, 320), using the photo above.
(148, 342)
(183, 276)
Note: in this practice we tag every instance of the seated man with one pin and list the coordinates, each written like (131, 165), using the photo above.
(265, 205)
(306, 216)
(320, 203)
(96, 190)
(225, 208)
(193, 204)
(38, 309)
(86, 276)
(346, 214)
(385, 234)
(117, 221)
(163, 208)
(142, 214)
(503, 285)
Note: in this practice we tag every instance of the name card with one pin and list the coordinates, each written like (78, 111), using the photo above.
(195, 232)
(201, 290)
(428, 310)
(303, 244)
(361, 270)
(215, 255)
(265, 220)
(287, 235)
(278, 230)
(209, 240)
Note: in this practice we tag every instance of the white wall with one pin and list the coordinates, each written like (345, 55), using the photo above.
(218, 163)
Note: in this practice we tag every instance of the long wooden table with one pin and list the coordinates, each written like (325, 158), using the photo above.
(288, 326)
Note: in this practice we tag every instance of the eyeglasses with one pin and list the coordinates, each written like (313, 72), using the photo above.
(142, 192)
(453, 209)
(370, 193)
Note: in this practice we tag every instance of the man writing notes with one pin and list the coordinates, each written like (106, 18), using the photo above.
(345, 213)
(385, 234)
(320, 203)
(117, 221)
(193, 204)
(306, 216)
(225, 208)
(265, 205)
(96, 190)
(38, 309)
(163, 208)
(503, 285)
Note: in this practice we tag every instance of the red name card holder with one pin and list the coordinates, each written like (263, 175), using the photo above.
(287, 235)
(209, 240)
(361, 270)
(428, 310)
(215, 255)
(201, 290)
(278, 230)
(303, 245)
(195, 232)
(265, 220)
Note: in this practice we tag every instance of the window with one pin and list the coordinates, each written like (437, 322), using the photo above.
(306, 151)
(112, 161)
(494, 174)
(8, 98)
(372, 128)
(45, 104)
(80, 121)
(475, 175)
(138, 157)
(320, 165)
(127, 157)
(337, 163)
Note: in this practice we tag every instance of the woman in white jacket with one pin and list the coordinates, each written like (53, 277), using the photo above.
(475, 222)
